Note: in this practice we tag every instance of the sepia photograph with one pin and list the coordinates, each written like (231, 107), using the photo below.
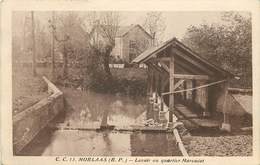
(132, 83)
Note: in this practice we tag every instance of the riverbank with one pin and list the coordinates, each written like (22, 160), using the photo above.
(27, 90)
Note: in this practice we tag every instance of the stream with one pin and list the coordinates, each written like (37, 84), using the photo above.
(87, 109)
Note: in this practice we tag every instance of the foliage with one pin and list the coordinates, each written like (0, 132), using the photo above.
(74, 36)
(100, 29)
(227, 45)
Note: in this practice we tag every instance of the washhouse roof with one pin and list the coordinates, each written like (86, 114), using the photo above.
(184, 56)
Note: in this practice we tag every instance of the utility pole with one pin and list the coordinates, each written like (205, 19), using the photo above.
(53, 47)
(33, 46)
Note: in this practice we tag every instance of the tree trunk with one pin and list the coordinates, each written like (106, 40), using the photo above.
(52, 50)
(104, 118)
(33, 47)
(65, 61)
(106, 63)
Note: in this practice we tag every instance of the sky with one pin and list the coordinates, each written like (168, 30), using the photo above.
(176, 22)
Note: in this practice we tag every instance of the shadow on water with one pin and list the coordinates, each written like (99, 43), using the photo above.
(44, 138)
(105, 143)
(90, 108)
(153, 144)
(37, 146)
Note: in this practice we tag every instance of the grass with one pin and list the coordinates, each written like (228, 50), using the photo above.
(27, 89)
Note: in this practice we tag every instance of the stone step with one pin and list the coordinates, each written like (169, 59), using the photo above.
(184, 113)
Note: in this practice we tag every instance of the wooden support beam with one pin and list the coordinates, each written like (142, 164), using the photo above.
(206, 112)
(178, 84)
(185, 76)
(160, 69)
(149, 81)
(185, 66)
(193, 77)
(171, 97)
(153, 66)
(163, 59)
(192, 61)
(149, 113)
(226, 126)
(165, 67)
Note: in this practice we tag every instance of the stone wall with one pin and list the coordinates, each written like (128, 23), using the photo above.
(28, 123)
(236, 116)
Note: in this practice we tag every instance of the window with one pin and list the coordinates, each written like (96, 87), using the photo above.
(132, 50)
(132, 44)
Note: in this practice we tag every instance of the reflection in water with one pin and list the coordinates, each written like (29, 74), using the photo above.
(153, 144)
(87, 109)
(92, 143)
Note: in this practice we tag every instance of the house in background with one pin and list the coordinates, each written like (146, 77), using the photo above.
(130, 42)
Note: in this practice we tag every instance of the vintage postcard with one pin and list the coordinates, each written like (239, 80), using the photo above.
(130, 82)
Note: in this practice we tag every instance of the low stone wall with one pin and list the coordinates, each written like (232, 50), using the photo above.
(28, 123)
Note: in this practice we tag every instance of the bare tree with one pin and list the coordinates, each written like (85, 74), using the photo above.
(52, 28)
(33, 46)
(66, 24)
(154, 23)
(101, 29)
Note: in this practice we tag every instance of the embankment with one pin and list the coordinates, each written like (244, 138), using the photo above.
(28, 123)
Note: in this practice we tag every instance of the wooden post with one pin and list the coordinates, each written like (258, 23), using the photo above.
(163, 85)
(154, 96)
(171, 97)
(149, 93)
(206, 97)
(185, 93)
(194, 92)
(148, 90)
(155, 86)
(226, 124)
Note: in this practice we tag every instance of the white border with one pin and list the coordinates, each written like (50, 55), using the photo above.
(164, 5)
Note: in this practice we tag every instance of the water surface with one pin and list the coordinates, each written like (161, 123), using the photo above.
(88, 109)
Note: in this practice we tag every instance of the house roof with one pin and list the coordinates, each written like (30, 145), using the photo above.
(123, 30)
(187, 52)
